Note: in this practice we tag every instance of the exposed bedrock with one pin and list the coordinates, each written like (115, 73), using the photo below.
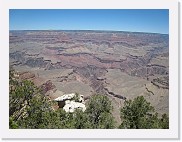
(135, 66)
(91, 74)
(47, 86)
(115, 95)
(26, 75)
(161, 82)
(30, 61)
(19, 56)
(149, 71)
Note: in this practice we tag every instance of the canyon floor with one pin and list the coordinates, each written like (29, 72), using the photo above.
(121, 65)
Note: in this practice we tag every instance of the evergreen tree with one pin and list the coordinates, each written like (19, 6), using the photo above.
(99, 112)
(139, 114)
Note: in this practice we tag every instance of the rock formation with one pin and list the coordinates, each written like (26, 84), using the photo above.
(70, 102)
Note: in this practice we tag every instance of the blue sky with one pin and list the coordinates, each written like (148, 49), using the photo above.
(154, 21)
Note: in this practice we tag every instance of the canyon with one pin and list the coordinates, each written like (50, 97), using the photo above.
(121, 65)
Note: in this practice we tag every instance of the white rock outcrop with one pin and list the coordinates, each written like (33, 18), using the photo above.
(65, 97)
(70, 104)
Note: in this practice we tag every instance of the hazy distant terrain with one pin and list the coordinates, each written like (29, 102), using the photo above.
(121, 65)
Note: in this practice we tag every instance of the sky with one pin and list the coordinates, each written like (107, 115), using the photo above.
(138, 20)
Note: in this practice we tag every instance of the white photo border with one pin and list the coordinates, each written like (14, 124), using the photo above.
(171, 133)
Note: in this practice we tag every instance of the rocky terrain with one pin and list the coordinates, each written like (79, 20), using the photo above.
(121, 65)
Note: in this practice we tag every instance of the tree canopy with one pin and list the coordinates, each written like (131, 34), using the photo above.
(99, 112)
(139, 114)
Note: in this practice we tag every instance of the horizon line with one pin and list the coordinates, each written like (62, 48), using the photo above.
(88, 30)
